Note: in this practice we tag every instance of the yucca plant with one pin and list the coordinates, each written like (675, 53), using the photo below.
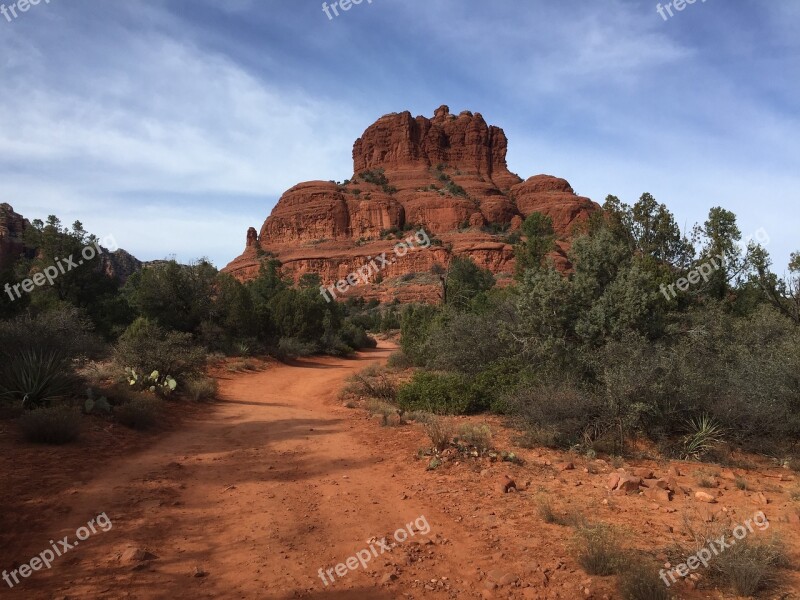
(36, 377)
(704, 434)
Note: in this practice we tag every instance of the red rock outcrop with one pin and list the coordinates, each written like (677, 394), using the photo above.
(447, 175)
(12, 226)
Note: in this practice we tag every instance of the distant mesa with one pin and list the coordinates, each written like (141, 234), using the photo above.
(446, 174)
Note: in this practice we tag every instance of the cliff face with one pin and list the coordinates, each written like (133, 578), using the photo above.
(447, 175)
(12, 226)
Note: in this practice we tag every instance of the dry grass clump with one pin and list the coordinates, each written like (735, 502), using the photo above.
(51, 425)
(475, 436)
(640, 581)
(201, 389)
(440, 432)
(597, 549)
(140, 413)
(750, 566)
(372, 382)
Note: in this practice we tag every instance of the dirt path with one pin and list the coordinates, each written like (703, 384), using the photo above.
(277, 482)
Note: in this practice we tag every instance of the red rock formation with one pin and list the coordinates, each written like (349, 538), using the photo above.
(12, 226)
(447, 175)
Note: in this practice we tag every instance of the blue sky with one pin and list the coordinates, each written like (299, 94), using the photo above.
(174, 125)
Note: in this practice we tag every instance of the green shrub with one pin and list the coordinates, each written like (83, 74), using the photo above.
(201, 388)
(356, 337)
(295, 348)
(571, 415)
(398, 361)
(438, 393)
(63, 331)
(51, 425)
(140, 413)
(146, 347)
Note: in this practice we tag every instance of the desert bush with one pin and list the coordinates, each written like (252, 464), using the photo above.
(146, 347)
(597, 549)
(372, 382)
(440, 432)
(290, 347)
(51, 425)
(398, 361)
(63, 331)
(561, 414)
(538, 437)
(438, 393)
(475, 436)
(140, 413)
(201, 388)
(640, 581)
(356, 337)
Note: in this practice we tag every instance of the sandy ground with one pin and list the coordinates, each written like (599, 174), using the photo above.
(252, 496)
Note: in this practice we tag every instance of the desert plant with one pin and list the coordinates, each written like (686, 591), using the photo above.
(291, 347)
(475, 436)
(51, 425)
(440, 432)
(163, 385)
(398, 361)
(139, 413)
(750, 567)
(704, 434)
(36, 377)
(439, 393)
(597, 550)
(640, 581)
(372, 382)
(146, 347)
(201, 388)
(96, 405)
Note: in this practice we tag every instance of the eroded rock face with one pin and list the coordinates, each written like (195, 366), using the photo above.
(12, 226)
(446, 174)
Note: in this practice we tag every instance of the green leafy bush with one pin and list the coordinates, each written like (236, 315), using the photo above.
(146, 347)
(438, 393)
(51, 425)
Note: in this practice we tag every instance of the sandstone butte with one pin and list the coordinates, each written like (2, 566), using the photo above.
(447, 175)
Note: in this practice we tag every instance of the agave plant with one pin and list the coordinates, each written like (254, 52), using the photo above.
(36, 377)
(704, 434)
